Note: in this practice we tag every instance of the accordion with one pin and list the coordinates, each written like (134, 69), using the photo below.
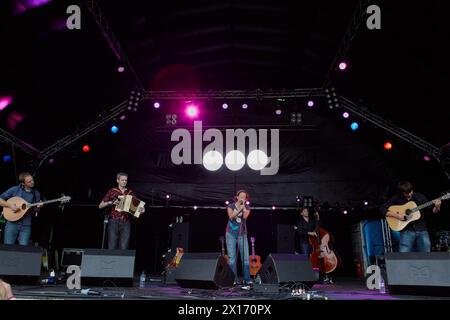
(131, 205)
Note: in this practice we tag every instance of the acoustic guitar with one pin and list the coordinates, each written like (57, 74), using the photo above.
(24, 206)
(255, 261)
(411, 211)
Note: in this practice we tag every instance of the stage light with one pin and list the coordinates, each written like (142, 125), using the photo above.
(5, 101)
(156, 105)
(192, 111)
(366, 203)
(51, 161)
(257, 160)
(247, 203)
(195, 207)
(167, 196)
(212, 160)
(227, 202)
(296, 118)
(120, 69)
(387, 146)
(344, 211)
(235, 160)
(86, 148)
(225, 106)
(133, 100)
(114, 129)
(310, 103)
(308, 202)
(354, 126)
(122, 118)
(171, 119)
(273, 208)
(244, 106)
(426, 158)
(278, 112)
(7, 158)
(346, 115)
(342, 66)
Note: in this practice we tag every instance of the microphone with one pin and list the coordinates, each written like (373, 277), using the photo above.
(241, 202)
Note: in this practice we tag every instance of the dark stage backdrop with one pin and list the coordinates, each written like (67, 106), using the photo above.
(323, 158)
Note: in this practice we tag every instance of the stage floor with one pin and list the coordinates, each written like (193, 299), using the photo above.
(342, 289)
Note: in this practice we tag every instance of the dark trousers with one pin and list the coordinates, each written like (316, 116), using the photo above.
(118, 234)
(305, 247)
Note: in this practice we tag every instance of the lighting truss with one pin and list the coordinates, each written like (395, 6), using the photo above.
(391, 128)
(8, 138)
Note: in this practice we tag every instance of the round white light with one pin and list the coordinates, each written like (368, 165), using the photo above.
(212, 160)
(234, 160)
(257, 160)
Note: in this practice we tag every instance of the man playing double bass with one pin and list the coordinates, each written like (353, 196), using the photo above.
(308, 236)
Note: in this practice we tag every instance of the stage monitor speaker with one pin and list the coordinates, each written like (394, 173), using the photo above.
(71, 257)
(283, 268)
(285, 238)
(205, 271)
(418, 273)
(180, 236)
(107, 267)
(20, 263)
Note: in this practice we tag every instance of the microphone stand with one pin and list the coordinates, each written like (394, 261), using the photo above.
(105, 223)
(242, 242)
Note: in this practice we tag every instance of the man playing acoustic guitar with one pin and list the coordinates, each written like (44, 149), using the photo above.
(415, 231)
(21, 229)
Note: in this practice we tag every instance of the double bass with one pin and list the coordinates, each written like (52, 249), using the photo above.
(322, 256)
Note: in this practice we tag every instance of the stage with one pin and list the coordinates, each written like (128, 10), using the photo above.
(342, 289)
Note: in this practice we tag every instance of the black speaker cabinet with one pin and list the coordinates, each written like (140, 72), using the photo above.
(282, 268)
(204, 270)
(20, 263)
(418, 273)
(180, 236)
(285, 238)
(107, 267)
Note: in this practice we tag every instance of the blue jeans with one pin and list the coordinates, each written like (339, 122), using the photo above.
(17, 230)
(118, 234)
(421, 238)
(242, 242)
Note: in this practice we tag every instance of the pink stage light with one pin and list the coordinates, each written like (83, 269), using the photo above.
(192, 111)
(5, 101)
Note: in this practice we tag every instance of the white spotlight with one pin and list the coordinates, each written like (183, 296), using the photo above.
(234, 160)
(212, 160)
(257, 160)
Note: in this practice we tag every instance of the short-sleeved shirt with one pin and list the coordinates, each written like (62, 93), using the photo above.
(234, 226)
(32, 196)
(113, 195)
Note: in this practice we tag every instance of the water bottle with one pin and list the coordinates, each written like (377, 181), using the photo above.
(142, 280)
(382, 286)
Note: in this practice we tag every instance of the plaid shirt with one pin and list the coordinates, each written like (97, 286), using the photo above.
(112, 195)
